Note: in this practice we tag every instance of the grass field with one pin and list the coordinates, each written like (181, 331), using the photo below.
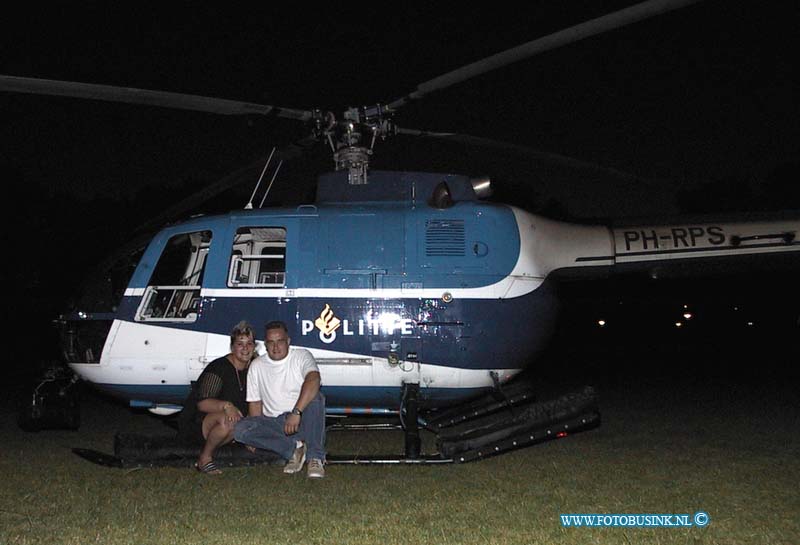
(667, 446)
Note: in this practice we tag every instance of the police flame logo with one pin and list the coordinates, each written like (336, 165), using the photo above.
(327, 323)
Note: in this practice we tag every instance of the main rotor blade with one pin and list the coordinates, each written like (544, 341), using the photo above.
(544, 156)
(148, 97)
(612, 21)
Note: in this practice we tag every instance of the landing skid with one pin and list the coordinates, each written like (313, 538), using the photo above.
(499, 423)
(433, 459)
(506, 420)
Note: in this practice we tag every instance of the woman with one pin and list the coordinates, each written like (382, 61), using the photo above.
(218, 399)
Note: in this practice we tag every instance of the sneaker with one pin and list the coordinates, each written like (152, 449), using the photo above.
(297, 460)
(316, 470)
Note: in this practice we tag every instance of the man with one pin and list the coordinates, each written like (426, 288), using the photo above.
(286, 410)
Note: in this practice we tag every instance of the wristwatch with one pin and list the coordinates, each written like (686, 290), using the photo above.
(297, 411)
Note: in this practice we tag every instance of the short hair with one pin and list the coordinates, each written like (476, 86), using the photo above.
(242, 328)
(276, 324)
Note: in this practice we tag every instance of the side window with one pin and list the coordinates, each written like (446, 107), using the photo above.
(173, 293)
(258, 258)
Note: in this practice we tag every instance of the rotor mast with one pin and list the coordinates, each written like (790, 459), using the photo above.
(352, 139)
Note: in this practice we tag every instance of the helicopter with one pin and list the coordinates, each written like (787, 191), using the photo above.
(389, 278)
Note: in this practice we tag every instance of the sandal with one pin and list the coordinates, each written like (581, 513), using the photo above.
(210, 468)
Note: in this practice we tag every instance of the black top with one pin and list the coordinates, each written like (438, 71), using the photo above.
(219, 380)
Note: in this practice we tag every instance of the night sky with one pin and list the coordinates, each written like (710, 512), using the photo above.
(701, 102)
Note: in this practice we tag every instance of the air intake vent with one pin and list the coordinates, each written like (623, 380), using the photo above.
(444, 238)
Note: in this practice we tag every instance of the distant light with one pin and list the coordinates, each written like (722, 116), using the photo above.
(749, 323)
(685, 306)
(601, 323)
(687, 315)
(678, 324)
(82, 315)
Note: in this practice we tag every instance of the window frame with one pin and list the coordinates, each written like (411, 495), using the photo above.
(185, 308)
(239, 258)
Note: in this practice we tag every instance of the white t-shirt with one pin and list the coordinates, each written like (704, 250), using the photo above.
(277, 384)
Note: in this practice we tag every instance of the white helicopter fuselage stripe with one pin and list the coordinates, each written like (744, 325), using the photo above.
(129, 358)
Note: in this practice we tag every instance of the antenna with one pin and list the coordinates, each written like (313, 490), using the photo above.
(274, 175)
(249, 205)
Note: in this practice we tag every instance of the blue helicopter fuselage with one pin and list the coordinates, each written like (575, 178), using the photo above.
(382, 286)
(408, 279)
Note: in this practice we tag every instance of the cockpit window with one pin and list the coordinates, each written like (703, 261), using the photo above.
(258, 258)
(173, 293)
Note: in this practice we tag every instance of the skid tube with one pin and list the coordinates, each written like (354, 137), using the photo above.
(485, 429)
(494, 425)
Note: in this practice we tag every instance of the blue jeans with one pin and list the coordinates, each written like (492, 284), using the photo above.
(266, 432)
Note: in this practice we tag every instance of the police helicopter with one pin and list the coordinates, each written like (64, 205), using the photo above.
(393, 280)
